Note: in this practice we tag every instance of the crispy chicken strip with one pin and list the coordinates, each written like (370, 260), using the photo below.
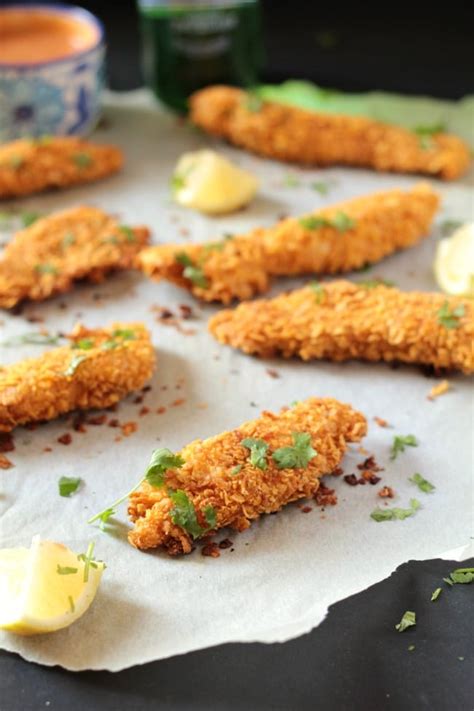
(296, 135)
(80, 243)
(339, 238)
(32, 165)
(98, 368)
(341, 320)
(221, 484)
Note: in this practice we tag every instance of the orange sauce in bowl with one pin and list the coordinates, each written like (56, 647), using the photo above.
(29, 36)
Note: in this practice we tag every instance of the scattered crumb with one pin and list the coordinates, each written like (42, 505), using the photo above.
(226, 543)
(161, 410)
(363, 451)
(325, 496)
(370, 464)
(381, 422)
(386, 492)
(114, 422)
(6, 442)
(47, 449)
(96, 420)
(306, 509)
(144, 411)
(5, 463)
(138, 400)
(337, 471)
(66, 438)
(439, 389)
(78, 423)
(273, 373)
(351, 479)
(129, 428)
(211, 550)
(178, 402)
(202, 406)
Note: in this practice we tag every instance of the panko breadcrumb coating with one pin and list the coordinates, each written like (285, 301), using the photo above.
(31, 165)
(335, 239)
(54, 252)
(341, 321)
(222, 485)
(97, 369)
(296, 135)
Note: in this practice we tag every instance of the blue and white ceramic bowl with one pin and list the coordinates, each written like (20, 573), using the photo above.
(57, 97)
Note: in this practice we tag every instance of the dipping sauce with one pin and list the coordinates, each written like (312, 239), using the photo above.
(29, 36)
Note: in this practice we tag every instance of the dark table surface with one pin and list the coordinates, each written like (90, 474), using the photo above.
(355, 659)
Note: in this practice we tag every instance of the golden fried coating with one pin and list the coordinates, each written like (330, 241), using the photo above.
(80, 243)
(338, 238)
(296, 135)
(341, 321)
(32, 165)
(97, 369)
(217, 475)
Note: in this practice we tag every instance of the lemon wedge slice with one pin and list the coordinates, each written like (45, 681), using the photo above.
(46, 587)
(208, 182)
(454, 262)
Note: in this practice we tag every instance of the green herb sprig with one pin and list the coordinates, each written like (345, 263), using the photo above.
(297, 456)
(400, 442)
(183, 514)
(408, 620)
(74, 364)
(341, 222)
(450, 319)
(395, 513)
(68, 485)
(192, 271)
(258, 451)
(422, 483)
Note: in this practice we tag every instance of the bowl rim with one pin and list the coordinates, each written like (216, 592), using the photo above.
(57, 9)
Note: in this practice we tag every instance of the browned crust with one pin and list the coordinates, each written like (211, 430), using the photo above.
(39, 389)
(238, 498)
(296, 135)
(243, 266)
(54, 252)
(30, 166)
(347, 321)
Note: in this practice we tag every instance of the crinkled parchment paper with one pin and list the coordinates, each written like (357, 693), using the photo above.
(287, 569)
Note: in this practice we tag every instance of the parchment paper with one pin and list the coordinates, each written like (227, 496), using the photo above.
(287, 569)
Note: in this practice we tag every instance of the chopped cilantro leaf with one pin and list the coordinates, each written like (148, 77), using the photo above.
(161, 460)
(210, 516)
(450, 319)
(318, 290)
(68, 485)
(88, 559)
(65, 570)
(235, 470)
(74, 364)
(258, 451)
(411, 647)
(408, 620)
(396, 513)
(191, 271)
(28, 217)
(177, 182)
(104, 515)
(343, 222)
(252, 101)
(67, 240)
(184, 514)
(462, 575)
(82, 160)
(33, 339)
(400, 442)
(373, 283)
(312, 222)
(426, 133)
(46, 269)
(422, 483)
(297, 456)
(84, 344)
(291, 181)
(449, 226)
(435, 594)
(128, 232)
(71, 603)
(126, 334)
(320, 187)
(16, 162)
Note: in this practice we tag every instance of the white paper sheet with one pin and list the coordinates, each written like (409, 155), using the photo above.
(287, 569)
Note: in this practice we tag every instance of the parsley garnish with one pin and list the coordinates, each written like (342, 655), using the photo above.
(450, 319)
(291, 181)
(28, 217)
(422, 483)
(318, 290)
(183, 514)
(104, 515)
(82, 160)
(379, 514)
(297, 456)
(65, 570)
(373, 283)
(128, 232)
(320, 187)
(235, 470)
(67, 240)
(68, 485)
(46, 269)
(426, 133)
(177, 182)
(32, 339)
(341, 222)
(218, 246)
(161, 460)
(88, 559)
(258, 451)
(252, 101)
(71, 603)
(16, 162)
(126, 334)
(191, 271)
(408, 620)
(400, 442)
(435, 594)
(84, 344)
(74, 364)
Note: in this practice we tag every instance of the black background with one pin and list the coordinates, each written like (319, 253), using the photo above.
(355, 660)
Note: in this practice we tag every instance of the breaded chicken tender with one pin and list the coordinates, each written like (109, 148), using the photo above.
(98, 368)
(335, 239)
(54, 252)
(340, 321)
(31, 165)
(233, 478)
(296, 135)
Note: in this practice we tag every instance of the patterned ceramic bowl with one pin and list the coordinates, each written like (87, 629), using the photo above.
(60, 96)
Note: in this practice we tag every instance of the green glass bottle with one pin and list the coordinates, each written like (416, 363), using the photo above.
(189, 44)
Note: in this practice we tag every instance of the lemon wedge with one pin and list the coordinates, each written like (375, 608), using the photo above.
(454, 262)
(46, 587)
(208, 182)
